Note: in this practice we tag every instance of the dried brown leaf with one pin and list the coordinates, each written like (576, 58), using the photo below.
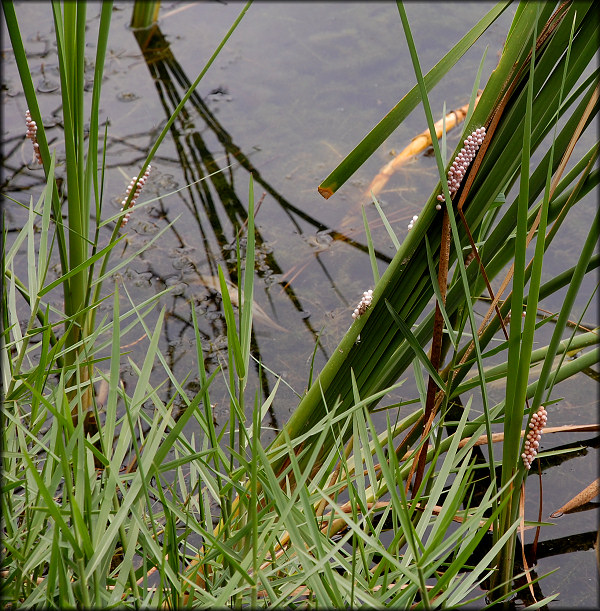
(586, 495)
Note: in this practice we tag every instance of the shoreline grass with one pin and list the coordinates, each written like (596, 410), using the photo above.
(125, 505)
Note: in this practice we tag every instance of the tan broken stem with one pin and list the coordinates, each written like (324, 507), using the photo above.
(417, 145)
(435, 354)
(522, 530)
(497, 437)
(586, 495)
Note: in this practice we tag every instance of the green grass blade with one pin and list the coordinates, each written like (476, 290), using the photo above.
(371, 247)
(248, 290)
(394, 117)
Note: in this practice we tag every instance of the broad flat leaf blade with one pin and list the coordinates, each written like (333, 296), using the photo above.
(375, 138)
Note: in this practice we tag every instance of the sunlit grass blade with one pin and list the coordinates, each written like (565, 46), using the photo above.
(248, 290)
(372, 258)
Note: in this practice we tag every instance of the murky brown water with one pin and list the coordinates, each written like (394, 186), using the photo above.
(295, 89)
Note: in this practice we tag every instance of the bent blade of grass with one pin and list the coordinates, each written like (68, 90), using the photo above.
(271, 483)
(176, 383)
(440, 540)
(470, 533)
(412, 556)
(31, 264)
(467, 584)
(419, 352)
(233, 338)
(313, 537)
(443, 475)
(152, 547)
(108, 430)
(364, 455)
(384, 438)
(43, 263)
(47, 496)
(145, 472)
(81, 267)
(400, 508)
(126, 566)
(386, 224)
(371, 248)
(23, 234)
(404, 107)
(139, 396)
(176, 430)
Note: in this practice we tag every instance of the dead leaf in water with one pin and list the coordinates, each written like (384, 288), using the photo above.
(259, 315)
(587, 494)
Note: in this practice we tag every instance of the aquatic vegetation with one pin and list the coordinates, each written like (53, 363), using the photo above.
(132, 496)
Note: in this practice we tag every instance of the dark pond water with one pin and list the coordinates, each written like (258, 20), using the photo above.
(295, 89)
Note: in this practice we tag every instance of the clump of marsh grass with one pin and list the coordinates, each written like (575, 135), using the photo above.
(141, 511)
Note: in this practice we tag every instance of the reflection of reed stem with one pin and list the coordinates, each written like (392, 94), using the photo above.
(197, 161)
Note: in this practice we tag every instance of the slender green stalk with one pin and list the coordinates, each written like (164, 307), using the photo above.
(145, 13)
(452, 219)
(71, 47)
(519, 347)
